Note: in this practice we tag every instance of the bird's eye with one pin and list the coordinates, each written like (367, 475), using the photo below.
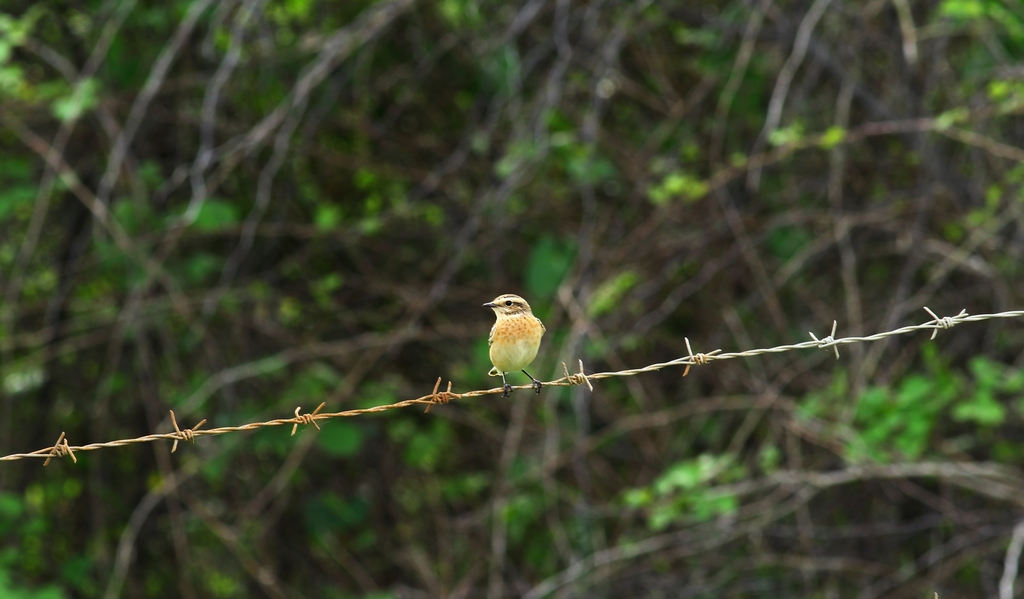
(508, 302)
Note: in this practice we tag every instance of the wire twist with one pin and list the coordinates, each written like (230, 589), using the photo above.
(946, 322)
(187, 434)
(441, 397)
(307, 418)
(697, 359)
(828, 340)
(60, 449)
(579, 378)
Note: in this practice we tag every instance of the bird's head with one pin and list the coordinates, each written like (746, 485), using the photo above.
(508, 305)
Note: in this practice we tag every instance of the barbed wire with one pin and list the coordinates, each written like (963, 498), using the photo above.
(437, 397)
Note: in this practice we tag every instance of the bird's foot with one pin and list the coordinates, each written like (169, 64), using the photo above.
(507, 390)
(536, 383)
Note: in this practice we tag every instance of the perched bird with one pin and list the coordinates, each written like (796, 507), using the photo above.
(515, 338)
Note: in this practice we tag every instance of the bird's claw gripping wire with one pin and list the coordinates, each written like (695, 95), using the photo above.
(536, 384)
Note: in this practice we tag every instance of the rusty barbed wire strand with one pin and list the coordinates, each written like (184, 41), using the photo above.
(62, 448)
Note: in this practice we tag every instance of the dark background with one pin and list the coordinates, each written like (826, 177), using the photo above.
(235, 208)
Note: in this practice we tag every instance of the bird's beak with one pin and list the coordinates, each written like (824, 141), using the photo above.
(489, 305)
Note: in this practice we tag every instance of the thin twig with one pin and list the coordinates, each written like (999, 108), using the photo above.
(1011, 561)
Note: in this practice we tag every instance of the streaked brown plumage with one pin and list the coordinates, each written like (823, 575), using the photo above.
(515, 337)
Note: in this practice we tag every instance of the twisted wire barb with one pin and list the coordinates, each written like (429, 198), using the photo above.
(446, 396)
(695, 359)
(62, 448)
(830, 341)
(307, 418)
(189, 434)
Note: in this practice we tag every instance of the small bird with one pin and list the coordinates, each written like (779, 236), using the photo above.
(515, 338)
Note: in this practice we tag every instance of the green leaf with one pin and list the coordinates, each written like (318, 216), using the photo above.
(982, 408)
(8, 590)
(10, 506)
(690, 473)
(663, 515)
(962, 9)
(425, 448)
(289, 310)
(951, 117)
(216, 214)
(312, 384)
(549, 262)
(323, 288)
(768, 458)
(586, 168)
(1014, 383)
(832, 137)
(710, 505)
(375, 394)
(78, 573)
(677, 184)
(607, 296)
(966, 11)
(12, 80)
(987, 372)
(787, 135)
(84, 97)
(201, 266)
(460, 14)
(15, 169)
(12, 197)
(276, 441)
(16, 30)
(704, 37)
(785, 242)
(516, 155)
(340, 438)
(637, 498)
(465, 486)
(11, 509)
(327, 216)
(326, 513)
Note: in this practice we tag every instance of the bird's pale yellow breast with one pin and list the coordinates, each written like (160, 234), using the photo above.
(515, 341)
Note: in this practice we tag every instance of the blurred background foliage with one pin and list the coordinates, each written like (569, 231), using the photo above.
(233, 208)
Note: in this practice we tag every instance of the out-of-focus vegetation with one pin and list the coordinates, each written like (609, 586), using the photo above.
(233, 208)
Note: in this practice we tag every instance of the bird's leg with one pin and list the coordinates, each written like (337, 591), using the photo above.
(536, 383)
(505, 386)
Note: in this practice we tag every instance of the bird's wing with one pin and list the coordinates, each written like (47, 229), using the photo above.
(490, 338)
